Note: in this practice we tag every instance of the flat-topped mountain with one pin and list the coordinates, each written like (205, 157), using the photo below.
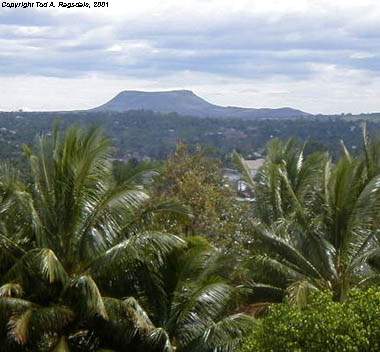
(185, 102)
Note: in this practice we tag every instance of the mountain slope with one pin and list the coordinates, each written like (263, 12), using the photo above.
(185, 102)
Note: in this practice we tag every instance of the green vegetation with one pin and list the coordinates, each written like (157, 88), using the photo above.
(195, 179)
(80, 269)
(97, 254)
(316, 221)
(139, 134)
(323, 325)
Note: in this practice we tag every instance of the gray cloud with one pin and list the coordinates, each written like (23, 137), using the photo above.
(244, 45)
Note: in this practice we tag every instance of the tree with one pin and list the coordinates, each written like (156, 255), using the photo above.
(323, 325)
(286, 179)
(190, 306)
(196, 180)
(322, 227)
(83, 274)
(50, 296)
(14, 216)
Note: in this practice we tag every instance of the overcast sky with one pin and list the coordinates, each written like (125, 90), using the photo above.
(315, 55)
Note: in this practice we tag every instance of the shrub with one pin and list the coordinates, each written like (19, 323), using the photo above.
(323, 325)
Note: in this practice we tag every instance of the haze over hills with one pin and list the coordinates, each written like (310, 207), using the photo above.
(185, 102)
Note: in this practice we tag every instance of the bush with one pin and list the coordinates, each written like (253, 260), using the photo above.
(324, 325)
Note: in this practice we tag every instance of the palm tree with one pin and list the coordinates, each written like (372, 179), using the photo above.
(188, 306)
(74, 230)
(285, 179)
(14, 218)
(326, 235)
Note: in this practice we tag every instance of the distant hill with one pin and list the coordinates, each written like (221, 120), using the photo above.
(141, 134)
(185, 102)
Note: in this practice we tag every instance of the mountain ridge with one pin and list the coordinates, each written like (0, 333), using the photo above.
(186, 102)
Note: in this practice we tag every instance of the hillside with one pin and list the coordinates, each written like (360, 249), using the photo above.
(141, 134)
(185, 102)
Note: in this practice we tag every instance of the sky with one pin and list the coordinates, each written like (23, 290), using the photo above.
(315, 55)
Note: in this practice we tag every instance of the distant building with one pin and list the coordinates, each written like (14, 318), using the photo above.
(254, 165)
(231, 175)
(235, 178)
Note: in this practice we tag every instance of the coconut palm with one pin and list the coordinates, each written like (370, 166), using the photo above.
(286, 178)
(189, 307)
(14, 216)
(74, 228)
(324, 239)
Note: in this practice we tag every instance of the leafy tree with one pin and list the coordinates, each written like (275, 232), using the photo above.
(196, 180)
(323, 325)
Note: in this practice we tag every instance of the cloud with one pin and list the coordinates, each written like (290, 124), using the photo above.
(276, 45)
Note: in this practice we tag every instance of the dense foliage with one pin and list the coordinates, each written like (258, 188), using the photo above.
(195, 179)
(316, 222)
(164, 256)
(323, 325)
(139, 134)
(81, 270)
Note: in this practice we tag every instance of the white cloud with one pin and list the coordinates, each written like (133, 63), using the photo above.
(317, 55)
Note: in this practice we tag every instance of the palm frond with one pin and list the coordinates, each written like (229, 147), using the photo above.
(257, 292)
(223, 335)
(127, 321)
(149, 248)
(36, 322)
(279, 247)
(200, 306)
(299, 292)
(41, 262)
(85, 297)
(267, 270)
(62, 345)
(160, 339)
(19, 326)
(243, 168)
(11, 290)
